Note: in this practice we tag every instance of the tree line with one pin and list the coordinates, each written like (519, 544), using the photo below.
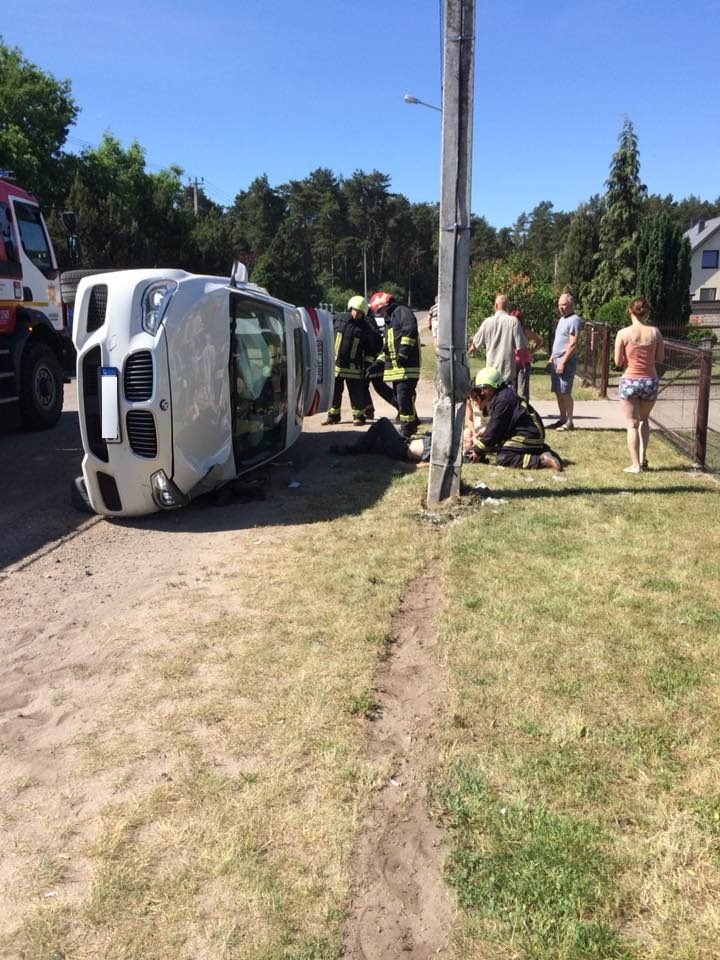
(321, 238)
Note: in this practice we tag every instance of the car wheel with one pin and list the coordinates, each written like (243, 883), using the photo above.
(71, 278)
(79, 495)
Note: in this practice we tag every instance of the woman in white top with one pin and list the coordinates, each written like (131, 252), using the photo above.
(638, 350)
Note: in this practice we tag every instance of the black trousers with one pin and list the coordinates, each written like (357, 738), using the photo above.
(359, 397)
(383, 390)
(405, 392)
(382, 437)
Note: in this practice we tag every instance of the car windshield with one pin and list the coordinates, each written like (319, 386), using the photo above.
(259, 380)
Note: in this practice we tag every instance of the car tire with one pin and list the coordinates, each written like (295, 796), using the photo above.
(71, 278)
(41, 387)
(79, 496)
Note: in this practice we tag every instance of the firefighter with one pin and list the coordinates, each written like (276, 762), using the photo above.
(375, 375)
(401, 356)
(514, 430)
(356, 347)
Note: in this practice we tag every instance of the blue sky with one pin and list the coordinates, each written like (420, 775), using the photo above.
(232, 90)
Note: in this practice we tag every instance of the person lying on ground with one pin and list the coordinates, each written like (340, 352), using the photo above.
(382, 437)
(514, 430)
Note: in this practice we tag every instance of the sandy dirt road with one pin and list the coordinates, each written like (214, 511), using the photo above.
(80, 597)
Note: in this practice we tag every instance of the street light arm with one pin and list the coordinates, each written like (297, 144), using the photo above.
(408, 98)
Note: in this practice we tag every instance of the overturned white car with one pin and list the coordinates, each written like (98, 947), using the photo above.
(186, 382)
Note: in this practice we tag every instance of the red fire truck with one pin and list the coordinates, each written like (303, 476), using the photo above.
(34, 343)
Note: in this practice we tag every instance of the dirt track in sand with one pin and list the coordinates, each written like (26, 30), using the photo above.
(401, 905)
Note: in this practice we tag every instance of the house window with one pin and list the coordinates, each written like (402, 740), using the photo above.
(707, 293)
(710, 260)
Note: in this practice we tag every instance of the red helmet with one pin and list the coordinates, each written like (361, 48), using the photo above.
(380, 300)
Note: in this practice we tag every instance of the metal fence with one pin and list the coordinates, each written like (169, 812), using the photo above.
(687, 410)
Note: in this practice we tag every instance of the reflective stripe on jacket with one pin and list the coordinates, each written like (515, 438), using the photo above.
(513, 424)
(402, 344)
(355, 347)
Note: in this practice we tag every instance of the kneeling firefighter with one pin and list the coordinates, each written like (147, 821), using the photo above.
(514, 430)
(401, 356)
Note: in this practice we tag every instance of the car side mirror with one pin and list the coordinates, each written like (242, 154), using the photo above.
(238, 274)
(69, 220)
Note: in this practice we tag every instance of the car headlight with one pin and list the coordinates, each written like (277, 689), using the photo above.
(155, 302)
(165, 494)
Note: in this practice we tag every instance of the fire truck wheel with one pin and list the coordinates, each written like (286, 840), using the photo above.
(41, 392)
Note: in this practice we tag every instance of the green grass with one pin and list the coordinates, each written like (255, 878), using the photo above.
(577, 770)
(581, 780)
(541, 881)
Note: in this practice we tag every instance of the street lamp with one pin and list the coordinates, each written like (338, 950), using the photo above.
(408, 98)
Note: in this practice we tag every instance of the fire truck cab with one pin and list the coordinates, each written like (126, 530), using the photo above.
(33, 328)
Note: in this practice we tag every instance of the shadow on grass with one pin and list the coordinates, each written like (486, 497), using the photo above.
(563, 492)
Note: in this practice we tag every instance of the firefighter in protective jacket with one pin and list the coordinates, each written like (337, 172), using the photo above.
(355, 348)
(514, 430)
(401, 355)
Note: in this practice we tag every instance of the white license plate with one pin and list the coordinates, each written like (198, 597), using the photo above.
(109, 406)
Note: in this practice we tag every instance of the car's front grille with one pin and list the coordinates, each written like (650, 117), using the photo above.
(109, 492)
(97, 307)
(141, 433)
(139, 376)
(91, 403)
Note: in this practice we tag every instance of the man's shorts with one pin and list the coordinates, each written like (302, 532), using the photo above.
(644, 388)
(562, 383)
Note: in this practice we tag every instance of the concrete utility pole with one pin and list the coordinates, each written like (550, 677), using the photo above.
(195, 184)
(453, 379)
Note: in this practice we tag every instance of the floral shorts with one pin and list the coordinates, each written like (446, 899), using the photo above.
(644, 388)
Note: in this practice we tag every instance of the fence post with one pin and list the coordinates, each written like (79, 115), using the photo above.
(605, 363)
(703, 402)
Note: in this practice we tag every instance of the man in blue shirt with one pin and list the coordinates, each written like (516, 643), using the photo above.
(563, 360)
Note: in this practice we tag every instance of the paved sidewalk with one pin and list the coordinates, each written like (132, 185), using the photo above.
(589, 414)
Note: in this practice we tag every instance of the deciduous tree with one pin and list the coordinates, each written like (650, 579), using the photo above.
(36, 111)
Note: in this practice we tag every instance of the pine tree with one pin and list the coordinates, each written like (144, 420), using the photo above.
(663, 271)
(620, 223)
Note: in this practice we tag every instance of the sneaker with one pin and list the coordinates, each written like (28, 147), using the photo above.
(557, 425)
(329, 420)
(644, 465)
(359, 422)
(632, 469)
(369, 413)
(569, 425)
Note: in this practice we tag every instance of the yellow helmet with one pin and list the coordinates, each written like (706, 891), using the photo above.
(358, 303)
(489, 377)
